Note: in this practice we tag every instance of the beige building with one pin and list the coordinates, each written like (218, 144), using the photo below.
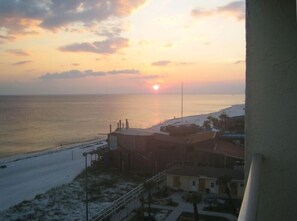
(204, 179)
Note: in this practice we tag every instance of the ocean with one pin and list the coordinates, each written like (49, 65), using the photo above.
(35, 123)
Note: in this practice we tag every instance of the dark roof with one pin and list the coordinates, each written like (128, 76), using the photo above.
(170, 138)
(240, 117)
(190, 139)
(226, 148)
(196, 171)
(201, 137)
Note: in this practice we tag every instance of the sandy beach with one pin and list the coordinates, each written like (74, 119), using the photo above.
(30, 174)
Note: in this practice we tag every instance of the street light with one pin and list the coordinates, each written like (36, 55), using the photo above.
(86, 186)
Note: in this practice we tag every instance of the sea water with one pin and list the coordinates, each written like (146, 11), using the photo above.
(34, 123)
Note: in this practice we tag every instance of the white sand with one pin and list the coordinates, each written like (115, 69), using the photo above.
(235, 110)
(36, 173)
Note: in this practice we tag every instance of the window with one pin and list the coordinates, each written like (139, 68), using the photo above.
(212, 184)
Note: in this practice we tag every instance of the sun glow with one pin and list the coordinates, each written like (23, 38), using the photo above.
(156, 87)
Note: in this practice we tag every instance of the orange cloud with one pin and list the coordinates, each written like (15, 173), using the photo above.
(108, 46)
(17, 52)
(233, 9)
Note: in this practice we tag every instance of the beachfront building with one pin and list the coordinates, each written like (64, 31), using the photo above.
(131, 150)
(141, 150)
(205, 180)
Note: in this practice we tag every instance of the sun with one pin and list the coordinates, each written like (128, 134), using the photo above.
(156, 87)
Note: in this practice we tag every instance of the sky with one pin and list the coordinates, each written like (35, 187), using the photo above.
(121, 46)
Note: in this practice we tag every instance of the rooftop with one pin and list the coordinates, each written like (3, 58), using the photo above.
(196, 171)
(136, 132)
(226, 148)
(201, 136)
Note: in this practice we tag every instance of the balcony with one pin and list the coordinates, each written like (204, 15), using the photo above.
(248, 209)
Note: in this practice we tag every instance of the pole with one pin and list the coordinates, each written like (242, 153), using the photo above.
(182, 101)
(87, 207)
(182, 115)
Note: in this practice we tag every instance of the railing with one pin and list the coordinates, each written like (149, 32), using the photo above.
(248, 209)
(126, 198)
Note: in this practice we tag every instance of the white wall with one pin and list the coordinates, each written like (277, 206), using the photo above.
(271, 104)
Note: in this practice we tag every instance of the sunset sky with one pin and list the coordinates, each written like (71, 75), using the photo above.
(121, 46)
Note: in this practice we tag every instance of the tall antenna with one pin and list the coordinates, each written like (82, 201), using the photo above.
(182, 101)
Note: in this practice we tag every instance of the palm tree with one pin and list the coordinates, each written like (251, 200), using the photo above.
(223, 121)
(195, 198)
(225, 182)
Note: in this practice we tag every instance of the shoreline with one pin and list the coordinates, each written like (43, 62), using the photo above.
(231, 111)
(196, 119)
(22, 156)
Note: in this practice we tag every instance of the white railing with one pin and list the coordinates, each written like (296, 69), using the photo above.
(248, 209)
(126, 198)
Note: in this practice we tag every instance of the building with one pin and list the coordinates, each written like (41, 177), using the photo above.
(204, 179)
(141, 150)
(132, 149)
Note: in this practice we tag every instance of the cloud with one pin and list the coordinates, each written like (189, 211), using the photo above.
(239, 62)
(9, 38)
(166, 62)
(127, 71)
(161, 63)
(16, 15)
(75, 64)
(198, 12)
(108, 46)
(18, 52)
(233, 9)
(110, 30)
(82, 74)
(21, 62)
(70, 74)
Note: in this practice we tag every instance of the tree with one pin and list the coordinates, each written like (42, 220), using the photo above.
(214, 121)
(195, 198)
(224, 118)
(206, 125)
(225, 181)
